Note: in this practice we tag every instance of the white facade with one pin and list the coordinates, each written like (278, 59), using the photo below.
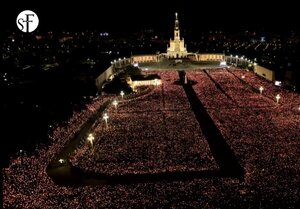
(144, 58)
(264, 72)
(177, 49)
(211, 57)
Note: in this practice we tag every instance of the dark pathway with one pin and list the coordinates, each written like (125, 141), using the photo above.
(255, 90)
(221, 151)
(64, 173)
(219, 87)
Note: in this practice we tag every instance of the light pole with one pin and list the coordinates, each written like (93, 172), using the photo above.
(21, 152)
(115, 103)
(91, 138)
(61, 161)
(277, 98)
(261, 89)
(105, 118)
(122, 94)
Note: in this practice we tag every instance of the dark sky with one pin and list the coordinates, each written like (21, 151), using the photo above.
(127, 15)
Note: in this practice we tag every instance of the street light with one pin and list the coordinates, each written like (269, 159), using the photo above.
(277, 98)
(105, 118)
(122, 94)
(61, 161)
(91, 138)
(261, 89)
(115, 103)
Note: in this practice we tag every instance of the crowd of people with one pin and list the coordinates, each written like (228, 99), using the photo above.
(158, 132)
(264, 134)
(147, 135)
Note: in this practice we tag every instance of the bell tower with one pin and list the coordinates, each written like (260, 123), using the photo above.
(176, 28)
(177, 49)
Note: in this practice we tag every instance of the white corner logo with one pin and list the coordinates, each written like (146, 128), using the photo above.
(27, 21)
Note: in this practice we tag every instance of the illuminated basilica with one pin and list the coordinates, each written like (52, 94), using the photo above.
(177, 49)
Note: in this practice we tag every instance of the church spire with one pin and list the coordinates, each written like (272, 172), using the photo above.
(176, 29)
(177, 48)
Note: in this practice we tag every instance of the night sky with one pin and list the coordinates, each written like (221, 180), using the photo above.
(127, 16)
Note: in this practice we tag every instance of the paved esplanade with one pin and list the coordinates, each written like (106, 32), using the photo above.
(184, 64)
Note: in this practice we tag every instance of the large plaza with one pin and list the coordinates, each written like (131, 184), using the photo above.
(158, 134)
(177, 129)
